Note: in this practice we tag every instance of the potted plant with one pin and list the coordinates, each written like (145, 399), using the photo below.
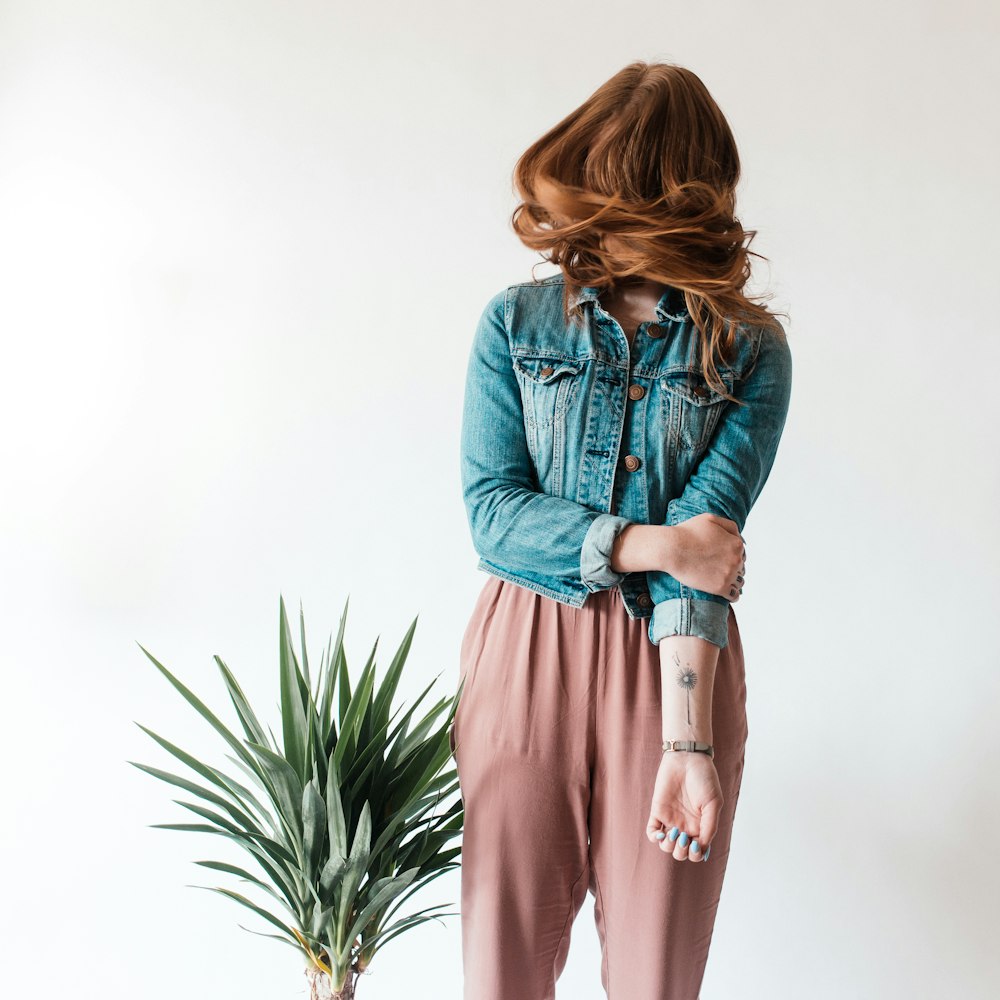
(342, 817)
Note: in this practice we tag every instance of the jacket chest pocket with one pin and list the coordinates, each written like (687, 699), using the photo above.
(548, 386)
(691, 409)
(548, 389)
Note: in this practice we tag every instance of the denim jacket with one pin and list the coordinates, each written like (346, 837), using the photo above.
(568, 436)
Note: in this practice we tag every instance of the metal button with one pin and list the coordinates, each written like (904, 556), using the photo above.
(654, 330)
(700, 391)
(636, 392)
(546, 371)
(632, 462)
(644, 600)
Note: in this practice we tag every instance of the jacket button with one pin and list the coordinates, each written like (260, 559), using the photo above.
(654, 330)
(632, 462)
(644, 600)
(546, 372)
(636, 392)
(700, 391)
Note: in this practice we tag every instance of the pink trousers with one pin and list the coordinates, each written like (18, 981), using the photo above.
(557, 740)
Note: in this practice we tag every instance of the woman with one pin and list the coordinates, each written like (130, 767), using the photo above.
(620, 420)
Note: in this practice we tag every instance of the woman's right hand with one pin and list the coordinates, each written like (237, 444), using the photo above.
(707, 552)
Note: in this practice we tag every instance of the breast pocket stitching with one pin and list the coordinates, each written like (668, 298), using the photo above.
(548, 387)
(691, 409)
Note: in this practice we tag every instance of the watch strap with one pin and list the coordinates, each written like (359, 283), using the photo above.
(694, 745)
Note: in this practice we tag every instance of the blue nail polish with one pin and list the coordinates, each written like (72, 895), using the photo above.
(659, 835)
(708, 851)
(694, 847)
(672, 836)
(683, 840)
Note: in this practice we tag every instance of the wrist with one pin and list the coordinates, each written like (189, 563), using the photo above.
(641, 547)
(702, 734)
(666, 554)
(691, 747)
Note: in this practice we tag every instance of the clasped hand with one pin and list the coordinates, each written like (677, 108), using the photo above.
(708, 553)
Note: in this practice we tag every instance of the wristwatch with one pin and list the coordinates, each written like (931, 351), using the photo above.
(690, 745)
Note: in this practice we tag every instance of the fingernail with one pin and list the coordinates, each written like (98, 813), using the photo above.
(659, 835)
(708, 851)
(683, 840)
(694, 846)
(673, 834)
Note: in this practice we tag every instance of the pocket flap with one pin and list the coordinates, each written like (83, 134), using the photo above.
(691, 385)
(545, 370)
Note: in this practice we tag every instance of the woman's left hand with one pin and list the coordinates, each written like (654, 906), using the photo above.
(687, 795)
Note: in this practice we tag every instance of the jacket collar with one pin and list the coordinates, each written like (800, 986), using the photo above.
(670, 306)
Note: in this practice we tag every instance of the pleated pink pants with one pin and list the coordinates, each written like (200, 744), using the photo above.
(557, 740)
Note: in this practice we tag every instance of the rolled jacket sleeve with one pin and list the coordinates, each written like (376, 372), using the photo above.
(513, 523)
(595, 555)
(727, 481)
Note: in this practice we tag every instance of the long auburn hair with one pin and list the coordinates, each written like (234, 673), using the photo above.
(649, 162)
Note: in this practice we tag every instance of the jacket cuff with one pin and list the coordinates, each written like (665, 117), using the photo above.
(690, 616)
(595, 554)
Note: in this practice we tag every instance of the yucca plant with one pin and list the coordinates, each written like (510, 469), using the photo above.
(341, 817)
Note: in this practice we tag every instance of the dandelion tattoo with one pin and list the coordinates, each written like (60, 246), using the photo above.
(687, 679)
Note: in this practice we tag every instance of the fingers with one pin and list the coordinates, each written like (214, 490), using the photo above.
(736, 586)
(653, 828)
(690, 848)
(738, 574)
(681, 844)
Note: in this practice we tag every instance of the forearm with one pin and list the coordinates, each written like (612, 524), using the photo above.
(642, 547)
(687, 679)
(687, 662)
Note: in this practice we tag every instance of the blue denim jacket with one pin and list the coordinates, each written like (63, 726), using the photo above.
(568, 436)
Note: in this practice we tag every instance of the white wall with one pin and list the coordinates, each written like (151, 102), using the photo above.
(243, 249)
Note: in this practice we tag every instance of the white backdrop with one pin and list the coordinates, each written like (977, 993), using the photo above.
(244, 246)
